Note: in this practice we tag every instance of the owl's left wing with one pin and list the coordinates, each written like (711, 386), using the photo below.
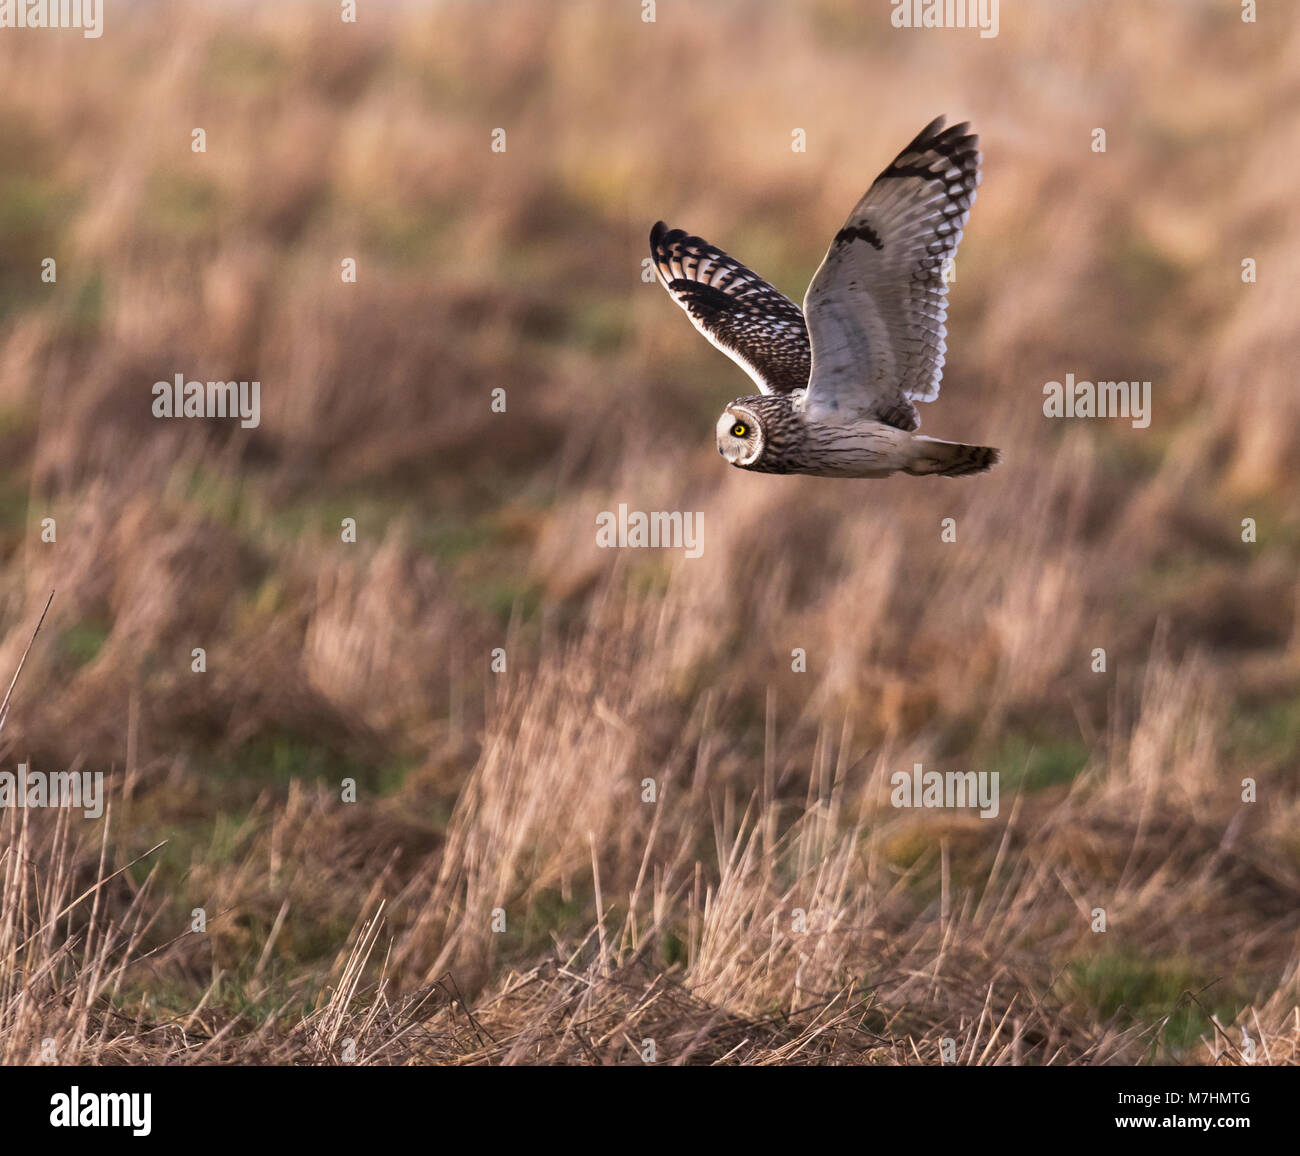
(757, 326)
(877, 306)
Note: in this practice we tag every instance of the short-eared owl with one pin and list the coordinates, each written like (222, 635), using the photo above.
(839, 379)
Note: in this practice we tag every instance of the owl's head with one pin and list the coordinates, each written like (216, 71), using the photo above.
(740, 436)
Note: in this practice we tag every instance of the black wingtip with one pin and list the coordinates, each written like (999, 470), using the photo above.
(939, 128)
(657, 234)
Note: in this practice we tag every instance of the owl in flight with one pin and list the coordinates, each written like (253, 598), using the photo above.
(839, 379)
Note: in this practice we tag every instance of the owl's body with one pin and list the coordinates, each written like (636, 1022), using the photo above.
(840, 377)
(779, 439)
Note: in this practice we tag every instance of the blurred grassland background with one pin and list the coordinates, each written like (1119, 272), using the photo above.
(523, 791)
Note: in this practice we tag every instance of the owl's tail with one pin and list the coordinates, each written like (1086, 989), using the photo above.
(949, 459)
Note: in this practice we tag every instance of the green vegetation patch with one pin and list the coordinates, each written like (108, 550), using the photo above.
(1146, 991)
(1023, 763)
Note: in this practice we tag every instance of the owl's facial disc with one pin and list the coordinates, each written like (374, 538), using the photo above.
(740, 437)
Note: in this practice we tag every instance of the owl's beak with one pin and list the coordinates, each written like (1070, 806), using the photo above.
(730, 449)
(737, 451)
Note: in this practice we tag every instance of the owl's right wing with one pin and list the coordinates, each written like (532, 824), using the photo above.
(757, 326)
(878, 305)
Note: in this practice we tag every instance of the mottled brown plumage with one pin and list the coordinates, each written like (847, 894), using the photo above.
(840, 379)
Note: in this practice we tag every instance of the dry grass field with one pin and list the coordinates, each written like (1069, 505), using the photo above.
(500, 891)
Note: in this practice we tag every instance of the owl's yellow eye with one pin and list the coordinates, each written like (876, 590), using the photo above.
(739, 430)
